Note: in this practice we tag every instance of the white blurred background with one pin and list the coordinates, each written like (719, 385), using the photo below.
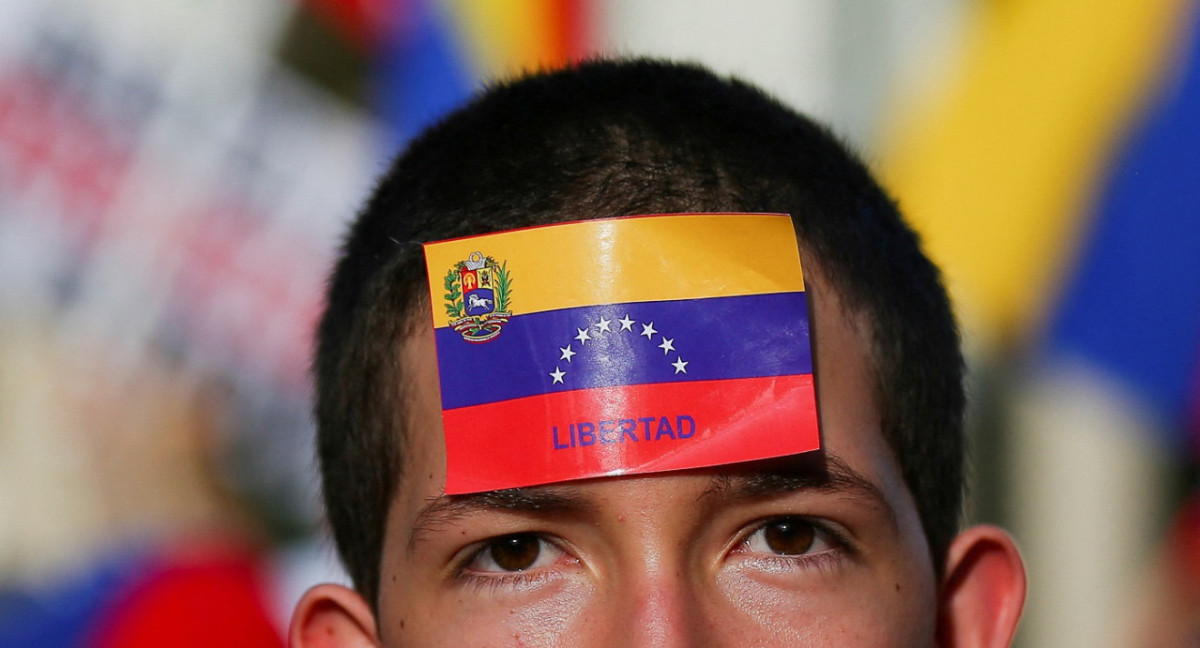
(175, 176)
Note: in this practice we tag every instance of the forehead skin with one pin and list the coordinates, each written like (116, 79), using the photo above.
(654, 560)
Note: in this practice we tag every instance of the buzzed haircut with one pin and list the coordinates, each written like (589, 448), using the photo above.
(612, 138)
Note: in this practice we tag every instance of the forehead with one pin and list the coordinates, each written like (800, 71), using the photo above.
(846, 393)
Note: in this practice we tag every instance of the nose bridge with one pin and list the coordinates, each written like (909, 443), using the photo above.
(658, 584)
(660, 607)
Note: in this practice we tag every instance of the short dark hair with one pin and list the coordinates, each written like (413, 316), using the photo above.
(612, 138)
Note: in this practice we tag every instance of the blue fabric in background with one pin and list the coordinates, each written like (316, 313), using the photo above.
(62, 614)
(423, 70)
(1132, 306)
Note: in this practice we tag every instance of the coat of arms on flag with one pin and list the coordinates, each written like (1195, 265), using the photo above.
(478, 295)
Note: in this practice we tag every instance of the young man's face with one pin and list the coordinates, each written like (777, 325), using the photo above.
(824, 549)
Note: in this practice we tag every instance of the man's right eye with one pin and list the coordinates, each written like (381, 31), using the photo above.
(515, 553)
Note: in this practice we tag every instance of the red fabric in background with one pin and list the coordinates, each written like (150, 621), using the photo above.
(355, 20)
(200, 596)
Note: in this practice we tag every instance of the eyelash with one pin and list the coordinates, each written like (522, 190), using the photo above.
(494, 581)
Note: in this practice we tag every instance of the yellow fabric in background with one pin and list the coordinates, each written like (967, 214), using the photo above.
(508, 36)
(996, 173)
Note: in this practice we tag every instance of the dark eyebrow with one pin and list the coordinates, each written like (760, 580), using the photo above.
(535, 500)
(822, 472)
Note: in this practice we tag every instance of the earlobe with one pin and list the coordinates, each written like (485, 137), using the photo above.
(983, 590)
(332, 616)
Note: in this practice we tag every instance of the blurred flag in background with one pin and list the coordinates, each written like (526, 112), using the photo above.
(173, 181)
(1056, 178)
(428, 56)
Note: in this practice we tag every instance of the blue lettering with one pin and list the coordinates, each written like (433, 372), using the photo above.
(587, 434)
(628, 428)
(561, 446)
(664, 429)
(606, 432)
(647, 420)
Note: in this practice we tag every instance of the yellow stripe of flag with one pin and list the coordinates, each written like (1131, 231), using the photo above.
(638, 259)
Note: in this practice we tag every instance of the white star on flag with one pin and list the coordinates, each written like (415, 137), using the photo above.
(583, 336)
(602, 326)
(567, 353)
(557, 375)
(668, 345)
(626, 323)
(679, 365)
(648, 330)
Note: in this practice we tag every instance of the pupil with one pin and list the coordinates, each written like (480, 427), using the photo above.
(789, 537)
(515, 553)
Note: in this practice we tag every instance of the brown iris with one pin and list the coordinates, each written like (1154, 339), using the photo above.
(789, 536)
(515, 552)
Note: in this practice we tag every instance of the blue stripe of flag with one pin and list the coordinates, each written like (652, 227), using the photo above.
(719, 338)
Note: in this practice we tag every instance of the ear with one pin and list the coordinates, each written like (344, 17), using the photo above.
(983, 591)
(332, 616)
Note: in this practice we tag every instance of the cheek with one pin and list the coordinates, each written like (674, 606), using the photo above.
(864, 610)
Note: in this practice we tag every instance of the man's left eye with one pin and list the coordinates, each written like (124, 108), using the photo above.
(790, 536)
(514, 553)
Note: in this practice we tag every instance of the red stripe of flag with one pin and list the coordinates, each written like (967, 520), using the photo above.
(632, 429)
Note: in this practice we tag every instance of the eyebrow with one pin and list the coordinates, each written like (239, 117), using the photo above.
(823, 473)
(535, 500)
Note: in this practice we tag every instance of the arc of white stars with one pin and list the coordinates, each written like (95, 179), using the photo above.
(604, 325)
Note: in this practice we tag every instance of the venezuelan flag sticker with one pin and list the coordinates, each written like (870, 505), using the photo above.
(621, 346)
